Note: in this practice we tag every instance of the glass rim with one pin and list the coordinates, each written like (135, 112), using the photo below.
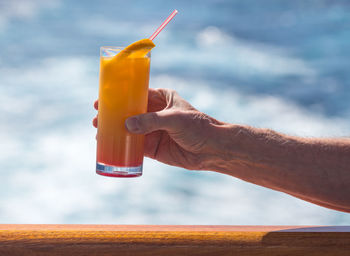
(112, 47)
(118, 49)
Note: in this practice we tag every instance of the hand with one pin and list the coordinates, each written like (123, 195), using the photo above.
(180, 135)
(176, 132)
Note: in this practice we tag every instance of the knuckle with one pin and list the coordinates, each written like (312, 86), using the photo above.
(154, 119)
(149, 121)
(160, 90)
(172, 91)
(201, 118)
(166, 91)
(180, 117)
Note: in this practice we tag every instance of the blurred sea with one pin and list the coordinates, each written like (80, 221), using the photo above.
(277, 64)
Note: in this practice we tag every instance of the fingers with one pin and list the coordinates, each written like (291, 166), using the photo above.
(156, 100)
(94, 122)
(168, 120)
(96, 105)
(165, 111)
(159, 99)
(152, 143)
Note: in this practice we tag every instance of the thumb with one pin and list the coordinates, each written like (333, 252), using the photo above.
(152, 121)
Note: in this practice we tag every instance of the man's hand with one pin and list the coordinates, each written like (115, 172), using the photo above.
(176, 132)
(315, 170)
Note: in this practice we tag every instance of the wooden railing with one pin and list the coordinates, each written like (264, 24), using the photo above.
(172, 240)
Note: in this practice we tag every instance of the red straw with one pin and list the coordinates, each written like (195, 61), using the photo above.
(172, 15)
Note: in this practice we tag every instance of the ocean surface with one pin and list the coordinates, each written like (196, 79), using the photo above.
(276, 64)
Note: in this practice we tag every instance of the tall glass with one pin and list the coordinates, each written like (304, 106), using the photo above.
(123, 92)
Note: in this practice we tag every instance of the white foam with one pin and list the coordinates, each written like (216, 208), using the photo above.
(259, 58)
(23, 9)
(48, 157)
(215, 50)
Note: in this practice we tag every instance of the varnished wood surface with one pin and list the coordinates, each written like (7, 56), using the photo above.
(173, 240)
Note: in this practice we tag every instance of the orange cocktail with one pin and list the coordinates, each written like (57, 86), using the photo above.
(124, 76)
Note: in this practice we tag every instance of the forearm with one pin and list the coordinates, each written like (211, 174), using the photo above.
(315, 170)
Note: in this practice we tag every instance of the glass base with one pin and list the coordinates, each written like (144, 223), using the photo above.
(117, 171)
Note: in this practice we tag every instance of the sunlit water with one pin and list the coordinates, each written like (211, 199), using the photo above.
(280, 65)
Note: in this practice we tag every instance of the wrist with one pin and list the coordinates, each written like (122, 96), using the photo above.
(232, 147)
(219, 150)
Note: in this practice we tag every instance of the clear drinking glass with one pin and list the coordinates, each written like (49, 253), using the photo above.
(123, 92)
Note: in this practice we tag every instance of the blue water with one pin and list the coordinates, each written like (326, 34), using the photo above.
(275, 64)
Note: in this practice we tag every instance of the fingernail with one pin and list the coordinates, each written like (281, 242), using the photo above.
(132, 124)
